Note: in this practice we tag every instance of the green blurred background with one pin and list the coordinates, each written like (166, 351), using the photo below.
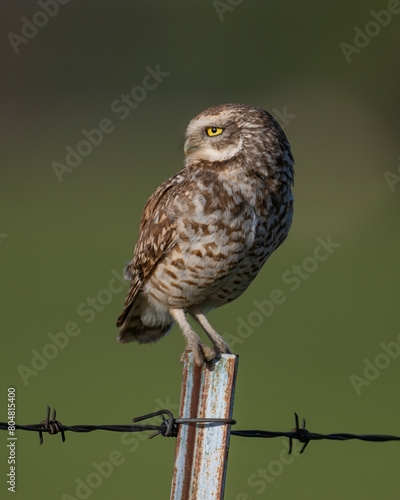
(61, 242)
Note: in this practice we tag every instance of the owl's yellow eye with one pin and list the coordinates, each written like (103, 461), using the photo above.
(212, 131)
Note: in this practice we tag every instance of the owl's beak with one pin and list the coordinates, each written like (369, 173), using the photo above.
(188, 147)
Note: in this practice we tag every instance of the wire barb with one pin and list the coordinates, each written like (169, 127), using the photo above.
(302, 434)
(52, 426)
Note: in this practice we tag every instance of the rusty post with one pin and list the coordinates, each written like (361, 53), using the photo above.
(202, 448)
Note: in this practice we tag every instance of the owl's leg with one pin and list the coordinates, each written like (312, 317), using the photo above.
(201, 352)
(219, 343)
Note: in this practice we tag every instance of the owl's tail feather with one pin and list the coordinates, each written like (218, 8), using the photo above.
(133, 329)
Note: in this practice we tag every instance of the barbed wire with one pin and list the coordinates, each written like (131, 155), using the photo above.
(169, 428)
(304, 436)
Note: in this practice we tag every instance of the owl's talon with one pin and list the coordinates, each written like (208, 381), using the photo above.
(202, 354)
(209, 352)
(198, 356)
(223, 348)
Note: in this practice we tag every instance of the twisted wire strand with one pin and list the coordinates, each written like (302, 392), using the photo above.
(169, 428)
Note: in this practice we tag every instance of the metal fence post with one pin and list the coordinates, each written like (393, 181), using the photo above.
(202, 448)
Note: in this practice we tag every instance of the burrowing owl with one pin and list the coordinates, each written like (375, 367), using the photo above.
(206, 232)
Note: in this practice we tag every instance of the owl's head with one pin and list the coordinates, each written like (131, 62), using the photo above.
(227, 131)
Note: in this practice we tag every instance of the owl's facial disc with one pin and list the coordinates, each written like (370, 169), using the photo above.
(212, 139)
